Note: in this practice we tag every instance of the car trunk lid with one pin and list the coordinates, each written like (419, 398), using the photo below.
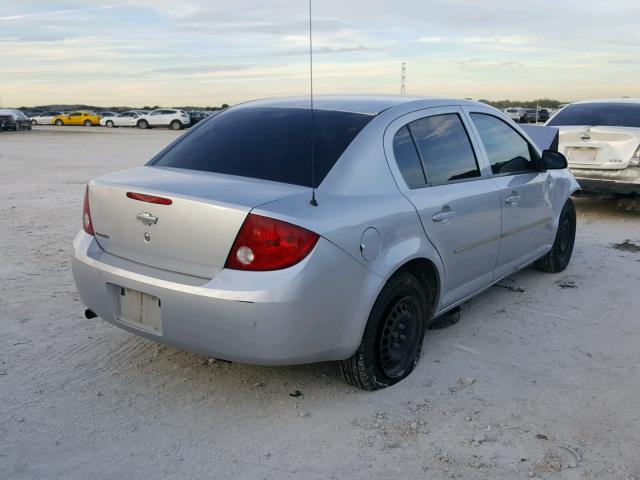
(194, 233)
(607, 148)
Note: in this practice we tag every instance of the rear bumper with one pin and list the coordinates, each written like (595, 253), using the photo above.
(623, 182)
(313, 311)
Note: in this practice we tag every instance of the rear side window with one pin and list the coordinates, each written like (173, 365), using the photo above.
(407, 159)
(445, 148)
(508, 152)
(266, 143)
(602, 114)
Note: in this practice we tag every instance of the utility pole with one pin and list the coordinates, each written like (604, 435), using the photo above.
(403, 80)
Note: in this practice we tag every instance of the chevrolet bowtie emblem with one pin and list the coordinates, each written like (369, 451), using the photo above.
(147, 219)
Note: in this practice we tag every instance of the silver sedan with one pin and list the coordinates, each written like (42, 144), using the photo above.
(271, 234)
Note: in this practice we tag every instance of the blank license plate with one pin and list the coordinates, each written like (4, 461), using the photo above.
(140, 310)
(582, 154)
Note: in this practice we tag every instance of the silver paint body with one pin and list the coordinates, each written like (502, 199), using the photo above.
(370, 225)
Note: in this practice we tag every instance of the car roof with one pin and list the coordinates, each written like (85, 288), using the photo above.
(365, 104)
(609, 100)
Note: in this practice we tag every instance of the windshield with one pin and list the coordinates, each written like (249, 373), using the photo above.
(602, 114)
(266, 143)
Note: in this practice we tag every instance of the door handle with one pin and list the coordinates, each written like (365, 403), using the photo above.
(444, 215)
(512, 199)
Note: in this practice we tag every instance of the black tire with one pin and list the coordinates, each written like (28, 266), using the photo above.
(142, 124)
(397, 322)
(59, 123)
(109, 123)
(176, 125)
(557, 259)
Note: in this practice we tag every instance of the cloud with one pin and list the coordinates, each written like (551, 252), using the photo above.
(199, 69)
(48, 14)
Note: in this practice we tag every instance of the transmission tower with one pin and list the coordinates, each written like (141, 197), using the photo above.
(403, 81)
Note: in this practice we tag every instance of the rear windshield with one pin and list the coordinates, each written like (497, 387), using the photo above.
(603, 114)
(266, 143)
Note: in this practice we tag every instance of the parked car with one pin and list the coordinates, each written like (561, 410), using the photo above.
(88, 119)
(125, 119)
(232, 243)
(106, 114)
(13, 119)
(164, 117)
(543, 115)
(197, 116)
(518, 115)
(44, 118)
(531, 115)
(601, 140)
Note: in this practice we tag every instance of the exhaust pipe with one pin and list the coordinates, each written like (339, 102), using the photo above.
(89, 314)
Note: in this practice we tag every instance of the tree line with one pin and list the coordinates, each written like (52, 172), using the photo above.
(541, 102)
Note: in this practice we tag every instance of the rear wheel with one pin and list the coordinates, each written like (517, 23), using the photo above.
(176, 125)
(142, 124)
(557, 259)
(392, 340)
(34, 122)
(58, 122)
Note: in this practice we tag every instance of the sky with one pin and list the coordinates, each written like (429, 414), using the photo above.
(192, 52)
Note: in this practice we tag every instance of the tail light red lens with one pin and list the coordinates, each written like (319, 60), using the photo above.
(87, 224)
(267, 244)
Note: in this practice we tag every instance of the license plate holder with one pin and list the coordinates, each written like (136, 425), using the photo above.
(140, 310)
(582, 155)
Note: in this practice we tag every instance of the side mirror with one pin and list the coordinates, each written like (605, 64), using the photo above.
(553, 160)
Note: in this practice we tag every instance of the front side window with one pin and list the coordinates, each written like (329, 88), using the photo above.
(407, 159)
(445, 148)
(508, 152)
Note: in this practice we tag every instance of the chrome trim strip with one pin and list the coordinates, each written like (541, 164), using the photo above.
(475, 244)
(525, 227)
(479, 243)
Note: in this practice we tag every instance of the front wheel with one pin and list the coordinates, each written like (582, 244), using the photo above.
(392, 339)
(109, 124)
(87, 123)
(143, 124)
(34, 122)
(557, 259)
(58, 122)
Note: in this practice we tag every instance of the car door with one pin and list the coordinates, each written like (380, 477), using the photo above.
(457, 201)
(74, 118)
(122, 120)
(527, 213)
(155, 118)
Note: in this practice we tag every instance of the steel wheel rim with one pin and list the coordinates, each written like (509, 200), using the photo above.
(564, 236)
(399, 338)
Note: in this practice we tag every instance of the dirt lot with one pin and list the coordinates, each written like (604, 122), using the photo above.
(542, 383)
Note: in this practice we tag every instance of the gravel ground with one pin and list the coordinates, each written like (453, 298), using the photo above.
(542, 383)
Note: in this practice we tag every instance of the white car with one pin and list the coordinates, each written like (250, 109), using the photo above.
(164, 117)
(125, 119)
(601, 140)
(45, 118)
(516, 114)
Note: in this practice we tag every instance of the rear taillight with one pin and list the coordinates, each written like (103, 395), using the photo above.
(635, 160)
(87, 224)
(267, 244)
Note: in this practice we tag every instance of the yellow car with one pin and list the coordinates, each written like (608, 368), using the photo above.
(87, 119)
